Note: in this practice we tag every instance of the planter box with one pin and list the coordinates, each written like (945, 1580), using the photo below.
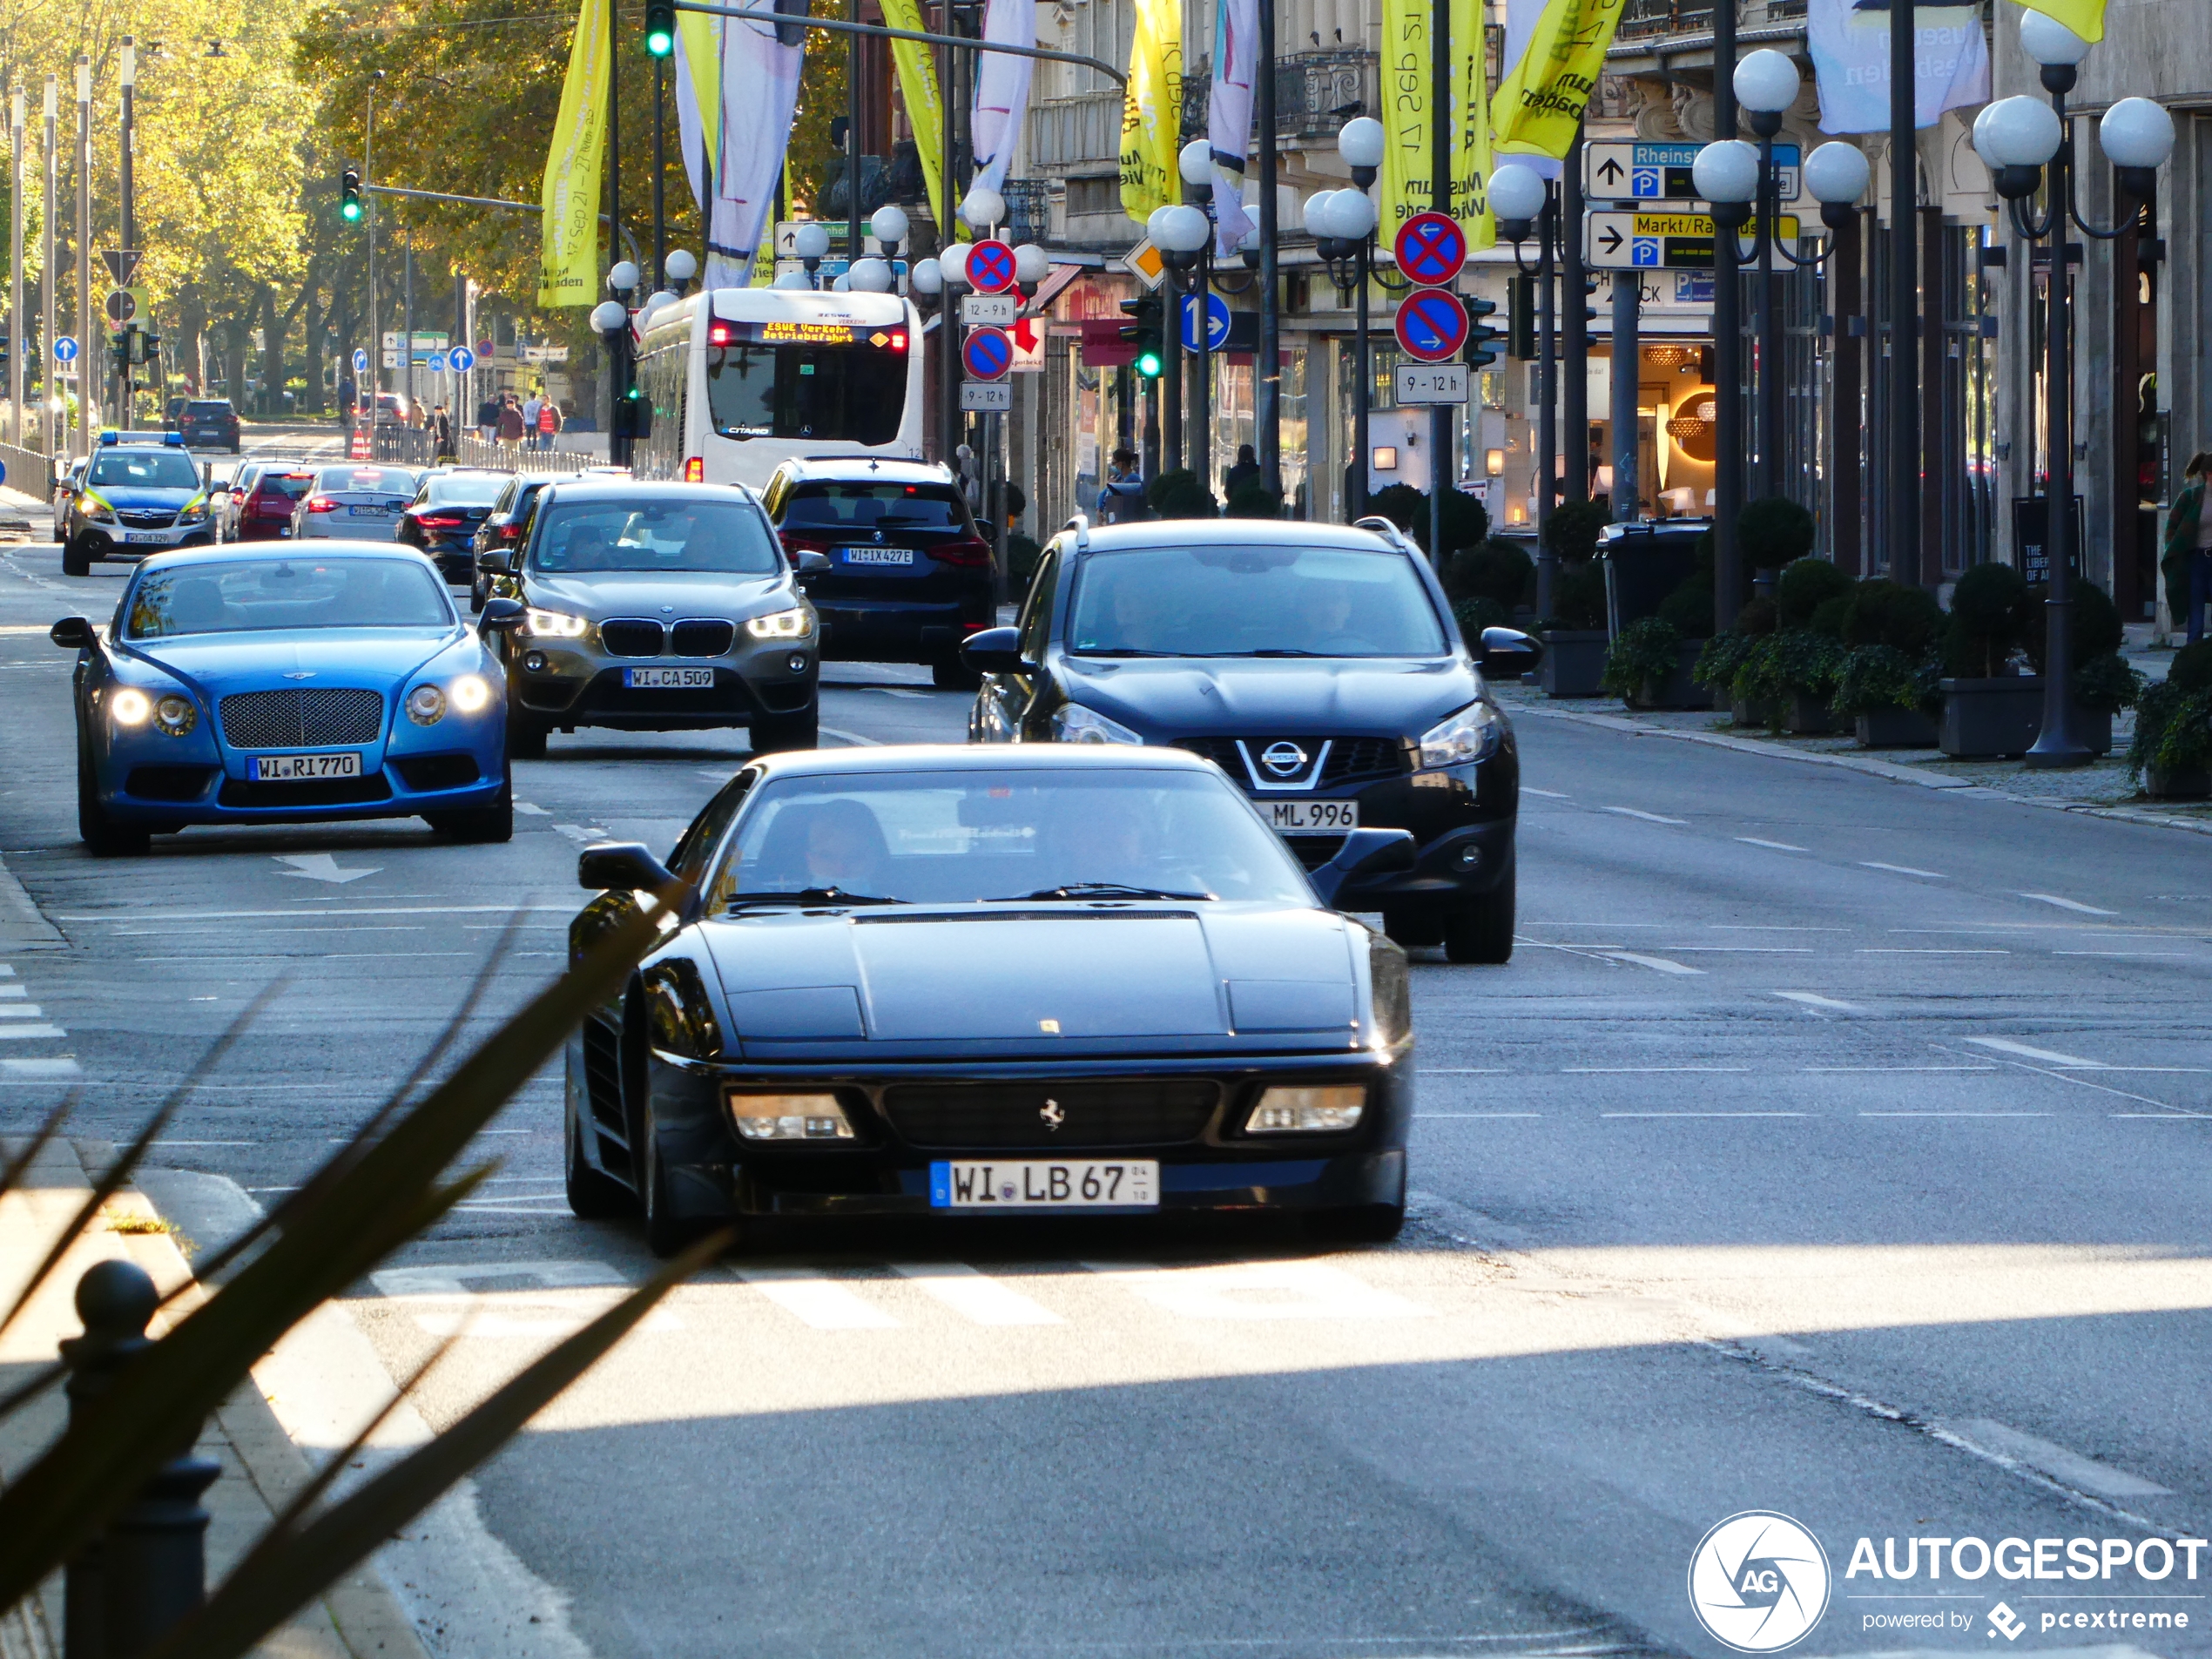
(1574, 662)
(1986, 718)
(2093, 729)
(1678, 692)
(2177, 786)
(1740, 712)
(1895, 728)
(1808, 717)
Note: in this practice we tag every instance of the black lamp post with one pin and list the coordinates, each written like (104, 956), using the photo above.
(1522, 202)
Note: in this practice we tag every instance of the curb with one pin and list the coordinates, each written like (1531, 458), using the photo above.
(23, 925)
(1885, 769)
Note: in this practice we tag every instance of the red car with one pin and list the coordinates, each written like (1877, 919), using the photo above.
(265, 513)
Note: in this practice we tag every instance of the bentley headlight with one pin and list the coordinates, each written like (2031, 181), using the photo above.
(426, 706)
(1073, 723)
(1473, 734)
(130, 707)
(552, 625)
(794, 624)
(470, 693)
(175, 715)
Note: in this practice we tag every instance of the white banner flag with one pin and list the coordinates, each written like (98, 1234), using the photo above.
(1849, 49)
(744, 144)
(1002, 89)
(1229, 116)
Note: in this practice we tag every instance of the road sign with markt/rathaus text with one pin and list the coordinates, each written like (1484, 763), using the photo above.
(1617, 171)
(1622, 241)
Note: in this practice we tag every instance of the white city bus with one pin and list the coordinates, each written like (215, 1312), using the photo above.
(740, 380)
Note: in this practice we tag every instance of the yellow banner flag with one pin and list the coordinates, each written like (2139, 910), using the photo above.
(1408, 145)
(2085, 17)
(1554, 51)
(917, 66)
(1152, 114)
(568, 252)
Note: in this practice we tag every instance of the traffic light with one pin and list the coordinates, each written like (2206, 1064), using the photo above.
(1590, 312)
(1520, 318)
(660, 27)
(1147, 332)
(1482, 338)
(632, 416)
(349, 196)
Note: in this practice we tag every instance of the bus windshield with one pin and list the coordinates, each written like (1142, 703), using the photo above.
(821, 393)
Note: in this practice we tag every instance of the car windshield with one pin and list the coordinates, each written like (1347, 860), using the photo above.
(693, 534)
(290, 485)
(465, 488)
(1252, 602)
(207, 409)
(259, 595)
(843, 394)
(832, 507)
(961, 837)
(146, 468)
(381, 481)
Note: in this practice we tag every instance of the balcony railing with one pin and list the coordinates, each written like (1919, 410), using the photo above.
(1315, 94)
(1318, 92)
(1642, 20)
(1080, 131)
(1029, 209)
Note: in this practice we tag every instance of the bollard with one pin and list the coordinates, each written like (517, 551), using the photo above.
(132, 1584)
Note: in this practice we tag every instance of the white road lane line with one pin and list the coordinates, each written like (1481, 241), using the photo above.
(2048, 1056)
(1902, 869)
(1930, 950)
(852, 738)
(11, 991)
(2074, 905)
(1641, 1072)
(1242, 1290)
(974, 1295)
(39, 1070)
(356, 910)
(1779, 846)
(531, 809)
(2083, 1473)
(1549, 794)
(1957, 1113)
(1886, 1068)
(1814, 1000)
(1705, 1114)
(1657, 964)
(822, 1303)
(580, 834)
(1461, 1071)
(1744, 950)
(20, 1011)
(1648, 818)
(18, 1033)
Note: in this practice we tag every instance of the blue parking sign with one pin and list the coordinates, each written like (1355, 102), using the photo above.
(1643, 250)
(1645, 182)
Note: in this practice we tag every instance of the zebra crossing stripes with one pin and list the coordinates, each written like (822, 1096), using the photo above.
(23, 1020)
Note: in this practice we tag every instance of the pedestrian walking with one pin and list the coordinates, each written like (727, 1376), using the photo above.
(1121, 501)
(510, 423)
(487, 418)
(441, 423)
(549, 422)
(1244, 472)
(530, 406)
(2188, 558)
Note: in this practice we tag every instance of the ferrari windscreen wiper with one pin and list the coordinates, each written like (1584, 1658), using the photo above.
(1097, 890)
(810, 895)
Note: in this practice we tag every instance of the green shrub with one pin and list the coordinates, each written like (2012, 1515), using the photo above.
(2097, 628)
(1757, 616)
(1717, 663)
(1254, 501)
(1805, 586)
(1578, 596)
(1781, 666)
(1467, 521)
(1180, 495)
(1645, 653)
(1495, 570)
(1773, 532)
(1828, 617)
(1571, 531)
(1884, 613)
(1688, 609)
(1882, 676)
(1476, 612)
(2106, 684)
(1985, 628)
(2191, 668)
(2173, 728)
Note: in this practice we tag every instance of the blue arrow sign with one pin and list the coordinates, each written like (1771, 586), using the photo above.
(360, 359)
(435, 362)
(64, 350)
(461, 360)
(1216, 322)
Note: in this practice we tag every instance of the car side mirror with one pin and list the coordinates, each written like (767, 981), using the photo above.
(1366, 854)
(807, 561)
(500, 615)
(995, 651)
(493, 561)
(73, 633)
(622, 867)
(1507, 650)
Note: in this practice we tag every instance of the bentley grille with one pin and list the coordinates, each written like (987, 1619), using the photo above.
(310, 717)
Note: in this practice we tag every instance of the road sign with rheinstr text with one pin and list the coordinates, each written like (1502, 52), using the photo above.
(1642, 171)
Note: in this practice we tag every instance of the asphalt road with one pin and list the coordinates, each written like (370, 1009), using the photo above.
(1831, 1146)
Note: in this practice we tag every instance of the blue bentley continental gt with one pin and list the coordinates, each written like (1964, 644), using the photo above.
(259, 687)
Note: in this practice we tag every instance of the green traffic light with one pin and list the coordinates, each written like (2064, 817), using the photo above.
(1148, 365)
(351, 211)
(660, 42)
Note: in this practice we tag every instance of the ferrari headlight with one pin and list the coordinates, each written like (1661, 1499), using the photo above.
(794, 624)
(175, 715)
(470, 693)
(1473, 734)
(552, 625)
(789, 1117)
(130, 707)
(1073, 723)
(1307, 1110)
(426, 706)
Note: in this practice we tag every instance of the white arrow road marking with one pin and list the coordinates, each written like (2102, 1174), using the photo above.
(319, 866)
(1657, 964)
(2068, 904)
(1814, 1000)
(1648, 818)
(2048, 1056)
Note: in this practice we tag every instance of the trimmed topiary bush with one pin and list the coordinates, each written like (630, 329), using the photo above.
(1571, 532)
(1578, 597)
(1645, 653)
(1882, 613)
(1986, 612)
(1254, 501)
(1773, 532)
(1476, 612)
(1872, 677)
(1805, 586)
(1495, 570)
(1467, 521)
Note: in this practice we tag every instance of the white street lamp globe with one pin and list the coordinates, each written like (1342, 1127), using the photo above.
(870, 276)
(983, 209)
(1359, 141)
(2136, 132)
(889, 223)
(812, 240)
(608, 315)
(1767, 82)
(683, 266)
(623, 277)
(1182, 229)
(2020, 131)
(792, 279)
(1032, 263)
(926, 277)
(1321, 214)
(952, 264)
(1153, 222)
(2049, 41)
(842, 284)
(1837, 173)
(1727, 171)
(1196, 162)
(1354, 213)
(1516, 192)
(1249, 242)
(654, 301)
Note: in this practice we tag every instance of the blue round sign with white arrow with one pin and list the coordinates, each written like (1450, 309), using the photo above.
(360, 359)
(1216, 322)
(462, 360)
(65, 349)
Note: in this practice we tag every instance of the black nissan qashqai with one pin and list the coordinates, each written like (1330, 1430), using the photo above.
(1318, 665)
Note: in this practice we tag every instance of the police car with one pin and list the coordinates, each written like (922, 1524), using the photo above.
(135, 499)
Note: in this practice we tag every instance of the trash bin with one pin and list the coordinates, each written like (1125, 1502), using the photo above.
(1644, 562)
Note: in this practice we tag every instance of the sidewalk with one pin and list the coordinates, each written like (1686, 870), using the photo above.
(359, 1618)
(23, 518)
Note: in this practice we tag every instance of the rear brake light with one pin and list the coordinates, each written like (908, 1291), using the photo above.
(804, 544)
(321, 504)
(440, 520)
(510, 532)
(963, 553)
(897, 341)
(720, 334)
(694, 469)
